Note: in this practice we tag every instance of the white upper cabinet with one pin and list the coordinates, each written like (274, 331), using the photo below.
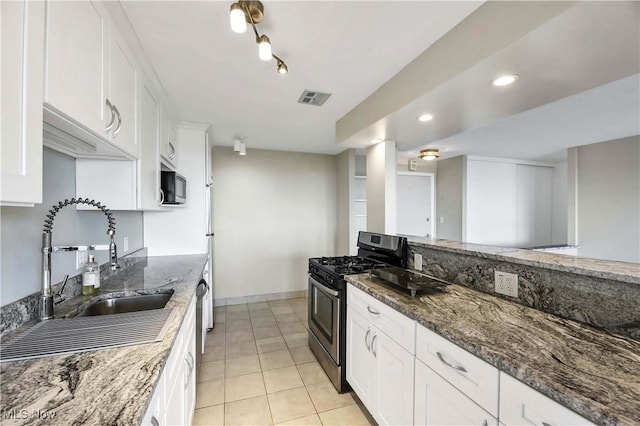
(168, 140)
(76, 58)
(149, 162)
(90, 78)
(22, 35)
(123, 90)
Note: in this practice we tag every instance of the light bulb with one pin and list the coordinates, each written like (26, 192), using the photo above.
(237, 18)
(425, 117)
(282, 68)
(264, 48)
(505, 80)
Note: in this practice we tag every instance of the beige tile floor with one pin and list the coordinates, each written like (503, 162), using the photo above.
(257, 369)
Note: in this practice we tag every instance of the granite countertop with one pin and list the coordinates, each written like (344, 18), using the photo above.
(607, 269)
(109, 386)
(592, 372)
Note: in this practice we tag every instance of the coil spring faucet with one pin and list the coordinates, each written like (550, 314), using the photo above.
(46, 300)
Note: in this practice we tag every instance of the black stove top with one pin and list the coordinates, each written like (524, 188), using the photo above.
(344, 265)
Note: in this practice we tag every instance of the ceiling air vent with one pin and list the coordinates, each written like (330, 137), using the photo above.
(310, 97)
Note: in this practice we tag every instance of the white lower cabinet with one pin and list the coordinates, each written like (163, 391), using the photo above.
(380, 371)
(437, 402)
(173, 400)
(522, 405)
(442, 384)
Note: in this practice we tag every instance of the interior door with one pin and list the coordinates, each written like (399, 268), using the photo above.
(415, 204)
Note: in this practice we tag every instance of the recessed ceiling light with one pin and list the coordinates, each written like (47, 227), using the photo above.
(505, 80)
(375, 140)
(425, 117)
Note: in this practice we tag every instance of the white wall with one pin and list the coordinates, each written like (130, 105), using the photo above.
(449, 198)
(272, 212)
(181, 230)
(381, 188)
(559, 222)
(608, 176)
(491, 203)
(21, 232)
(345, 169)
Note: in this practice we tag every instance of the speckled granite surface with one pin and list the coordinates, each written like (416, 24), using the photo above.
(592, 372)
(604, 303)
(606, 269)
(103, 387)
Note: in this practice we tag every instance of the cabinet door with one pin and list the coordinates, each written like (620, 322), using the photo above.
(359, 358)
(176, 400)
(123, 92)
(393, 383)
(522, 405)
(190, 378)
(168, 139)
(22, 35)
(437, 402)
(75, 64)
(149, 162)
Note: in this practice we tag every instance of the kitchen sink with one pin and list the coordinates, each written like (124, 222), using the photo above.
(120, 305)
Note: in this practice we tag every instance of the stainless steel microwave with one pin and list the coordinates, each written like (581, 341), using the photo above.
(173, 188)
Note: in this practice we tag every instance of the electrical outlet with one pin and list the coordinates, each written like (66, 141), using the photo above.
(417, 261)
(125, 245)
(82, 257)
(506, 283)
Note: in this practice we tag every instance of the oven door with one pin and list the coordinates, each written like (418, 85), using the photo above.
(324, 316)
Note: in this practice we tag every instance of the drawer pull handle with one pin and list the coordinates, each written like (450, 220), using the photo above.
(373, 350)
(372, 311)
(456, 367)
(366, 339)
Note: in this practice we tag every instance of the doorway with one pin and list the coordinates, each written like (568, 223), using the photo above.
(415, 193)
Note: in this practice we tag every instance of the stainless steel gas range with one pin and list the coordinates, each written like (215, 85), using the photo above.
(328, 301)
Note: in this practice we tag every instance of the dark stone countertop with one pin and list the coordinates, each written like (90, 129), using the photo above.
(592, 372)
(108, 386)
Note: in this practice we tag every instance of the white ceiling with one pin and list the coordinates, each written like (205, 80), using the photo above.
(567, 94)
(348, 49)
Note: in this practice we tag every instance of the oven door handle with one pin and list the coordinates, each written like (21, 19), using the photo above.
(324, 288)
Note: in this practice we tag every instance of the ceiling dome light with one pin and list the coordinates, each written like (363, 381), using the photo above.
(505, 80)
(425, 117)
(376, 140)
(237, 18)
(429, 154)
(264, 48)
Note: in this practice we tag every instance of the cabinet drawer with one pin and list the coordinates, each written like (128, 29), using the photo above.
(471, 375)
(439, 403)
(522, 405)
(395, 325)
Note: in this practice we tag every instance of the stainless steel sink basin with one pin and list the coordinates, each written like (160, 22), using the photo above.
(120, 305)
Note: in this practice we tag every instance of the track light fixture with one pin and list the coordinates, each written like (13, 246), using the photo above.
(245, 12)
